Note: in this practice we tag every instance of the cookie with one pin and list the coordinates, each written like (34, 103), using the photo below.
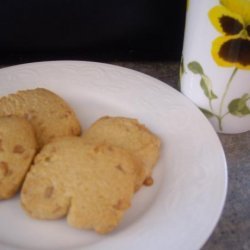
(128, 134)
(17, 148)
(92, 185)
(49, 114)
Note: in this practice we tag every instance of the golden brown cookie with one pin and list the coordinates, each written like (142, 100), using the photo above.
(128, 134)
(17, 148)
(90, 184)
(49, 114)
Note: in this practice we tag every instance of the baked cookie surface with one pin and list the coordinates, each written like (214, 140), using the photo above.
(92, 185)
(130, 135)
(17, 149)
(48, 113)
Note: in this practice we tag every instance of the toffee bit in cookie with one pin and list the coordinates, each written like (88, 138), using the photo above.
(110, 148)
(18, 149)
(119, 167)
(1, 145)
(47, 158)
(4, 168)
(48, 192)
(119, 205)
(148, 181)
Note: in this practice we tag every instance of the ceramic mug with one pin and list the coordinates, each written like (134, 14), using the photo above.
(215, 67)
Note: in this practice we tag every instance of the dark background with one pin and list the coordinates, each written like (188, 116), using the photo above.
(101, 30)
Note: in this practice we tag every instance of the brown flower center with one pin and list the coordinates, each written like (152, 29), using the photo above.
(236, 50)
(248, 30)
(230, 25)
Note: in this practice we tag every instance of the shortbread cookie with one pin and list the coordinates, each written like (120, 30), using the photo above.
(128, 134)
(17, 148)
(49, 114)
(90, 184)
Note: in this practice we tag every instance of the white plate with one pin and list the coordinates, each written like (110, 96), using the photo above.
(183, 206)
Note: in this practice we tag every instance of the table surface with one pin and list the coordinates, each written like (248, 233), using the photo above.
(233, 229)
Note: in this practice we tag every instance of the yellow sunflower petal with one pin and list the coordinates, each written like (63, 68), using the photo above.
(225, 21)
(241, 7)
(231, 51)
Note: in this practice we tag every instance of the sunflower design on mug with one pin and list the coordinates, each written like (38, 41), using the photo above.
(230, 49)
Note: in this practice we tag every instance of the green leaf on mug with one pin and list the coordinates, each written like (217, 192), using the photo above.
(195, 67)
(182, 68)
(207, 113)
(238, 107)
(207, 87)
